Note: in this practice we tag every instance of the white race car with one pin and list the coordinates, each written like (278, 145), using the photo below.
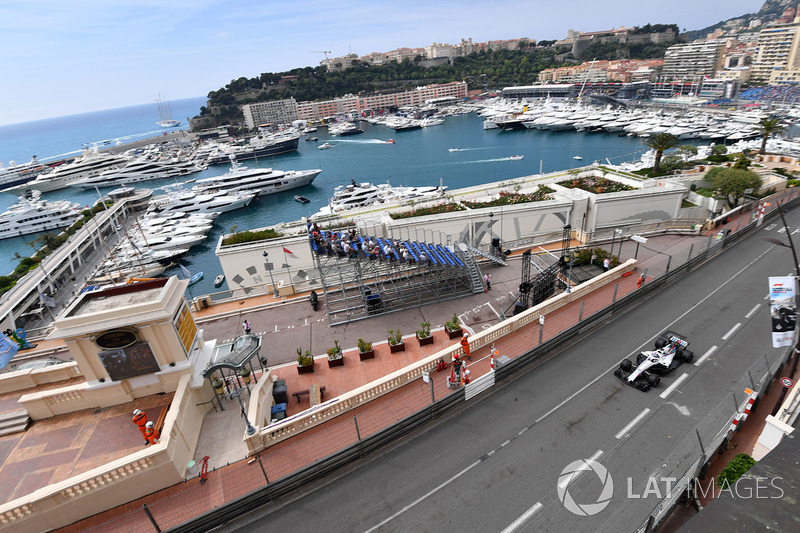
(670, 353)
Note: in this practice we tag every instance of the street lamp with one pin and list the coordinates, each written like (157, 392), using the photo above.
(269, 270)
(619, 232)
(638, 239)
(249, 430)
(569, 273)
(491, 247)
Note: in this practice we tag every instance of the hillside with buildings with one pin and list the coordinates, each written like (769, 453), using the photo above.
(750, 50)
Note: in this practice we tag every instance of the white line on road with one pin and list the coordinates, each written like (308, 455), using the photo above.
(705, 356)
(422, 498)
(732, 331)
(674, 386)
(752, 311)
(522, 519)
(495, 311)
(632, 423)
(583, 468)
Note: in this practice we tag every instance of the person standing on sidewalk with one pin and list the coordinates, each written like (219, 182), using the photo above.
(246, 327)
(150, 434)
(640, 281)
(488, 279)
(606, 264)
(465, 345)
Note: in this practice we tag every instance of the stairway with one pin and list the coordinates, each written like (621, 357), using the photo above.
(475, 276)
(476, 251)
(14, 422)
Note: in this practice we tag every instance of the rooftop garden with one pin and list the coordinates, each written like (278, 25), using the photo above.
(242, 237)
(432, 210)
(595, 185)
(511, 198)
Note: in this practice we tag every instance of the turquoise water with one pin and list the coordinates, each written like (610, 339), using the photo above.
(419, 157)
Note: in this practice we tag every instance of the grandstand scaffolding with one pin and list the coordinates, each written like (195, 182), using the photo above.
(364, 276)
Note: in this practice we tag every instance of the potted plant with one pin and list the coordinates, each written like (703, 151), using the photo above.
(424, 334)
(305, 363)
(245, 373)
(335, 357)
(453, 328)
(218, 384)
(396, 343)
(365, 350)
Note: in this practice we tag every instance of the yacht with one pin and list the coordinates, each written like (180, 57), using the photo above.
(325, 146)
(32, 215)
(142, 169)
(194, 202)
(14, 174)
(258, 146)
(260, 181)
(344, 128)
(90, 164)
(355, 195)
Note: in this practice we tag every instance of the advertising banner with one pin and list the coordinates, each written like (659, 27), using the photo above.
(782, 307)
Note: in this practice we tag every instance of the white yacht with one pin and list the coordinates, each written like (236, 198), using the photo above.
(32, 215)
(142, 169)
(364, 194)
(194, 202)
(259, 181)
(90, 164)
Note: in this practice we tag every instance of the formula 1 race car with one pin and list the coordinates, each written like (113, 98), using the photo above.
(670, 353)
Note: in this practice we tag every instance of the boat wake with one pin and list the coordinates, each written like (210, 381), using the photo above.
(362, 141)
(495, 160)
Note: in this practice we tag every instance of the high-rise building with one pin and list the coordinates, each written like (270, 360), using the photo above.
(777, 49)
(700, 58)
(274, 112)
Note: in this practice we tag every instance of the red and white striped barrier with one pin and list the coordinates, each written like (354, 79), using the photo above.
(749, 405)
(735, 422)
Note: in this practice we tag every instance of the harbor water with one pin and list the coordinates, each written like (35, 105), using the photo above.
(416, 158)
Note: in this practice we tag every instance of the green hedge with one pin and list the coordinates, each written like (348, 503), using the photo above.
(738, 466)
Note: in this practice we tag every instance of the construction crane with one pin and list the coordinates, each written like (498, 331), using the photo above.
(326, 52)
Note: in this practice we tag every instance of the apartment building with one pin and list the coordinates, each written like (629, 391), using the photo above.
(700, 58)
(275, 112)
(777, 50)
(347, 105)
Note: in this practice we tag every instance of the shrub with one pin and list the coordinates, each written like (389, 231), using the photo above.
(453, 323)
(250, 236)
(335, 352)
(595, 185)
(424, 331)
(395, 337)
(433, 210)
(364, 346)
(304, 359)
(510, 198)
(738, 466)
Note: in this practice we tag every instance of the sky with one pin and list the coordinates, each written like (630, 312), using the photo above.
(62, 57)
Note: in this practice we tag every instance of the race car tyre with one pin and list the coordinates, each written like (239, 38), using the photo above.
(626, 365)
(687, 356)
(661, 342)
(653, 380)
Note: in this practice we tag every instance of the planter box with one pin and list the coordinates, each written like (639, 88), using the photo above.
(454, 333)
(425, 340)
(305, 369)
(394, 348)
(339, 361)
(369, 354)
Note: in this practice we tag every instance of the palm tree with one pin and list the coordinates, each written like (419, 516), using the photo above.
(660, 142)
(767, 126)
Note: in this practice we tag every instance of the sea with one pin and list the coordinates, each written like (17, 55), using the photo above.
(416, 158)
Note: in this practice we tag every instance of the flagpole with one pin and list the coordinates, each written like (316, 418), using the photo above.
(286, 264)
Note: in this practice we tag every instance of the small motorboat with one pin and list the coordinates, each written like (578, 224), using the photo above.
(516, 158)
(325, 146)
(219, 280)
(390, 141)
(312, 138)
(577, 158)
(454, 149)
(302, 199)
(194, 279)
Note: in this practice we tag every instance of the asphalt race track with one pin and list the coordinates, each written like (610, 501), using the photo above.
(494, 465)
